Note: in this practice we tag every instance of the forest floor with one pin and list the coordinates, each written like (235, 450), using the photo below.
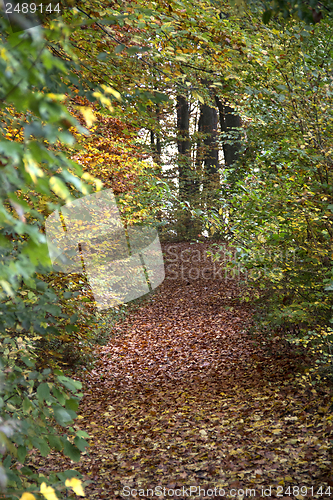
(185, 403)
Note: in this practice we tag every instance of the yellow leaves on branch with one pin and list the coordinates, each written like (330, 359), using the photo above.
(57, 97)
(88, 177)
(32, 168)
(112, 91)
(76, 484)
(59, 188)
(27, 496)
(105, 101)
(88, 115)
(199, 97)
(48, 492)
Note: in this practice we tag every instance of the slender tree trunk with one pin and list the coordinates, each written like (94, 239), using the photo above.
(188, 184)
(229, 122)
(155, 140)
(208, 126)
(184, 147)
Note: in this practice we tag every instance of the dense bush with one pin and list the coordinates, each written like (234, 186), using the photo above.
(35, 402)
(281, 192)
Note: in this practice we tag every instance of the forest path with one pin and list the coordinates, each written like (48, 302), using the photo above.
(183, 397)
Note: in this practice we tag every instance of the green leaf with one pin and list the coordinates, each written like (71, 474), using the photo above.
(83, 434)
(71, 451)
(74, 318)
(102, 56)
(55, 442)
(12, 149)
(21, 453)
(28, 361)
(26, 471)
(81, 443)
(41, 445)
(68, 474)
(133, 50)
(72, 328)
(119, 48)
(43, 392)
(55, 310)
(59, 395)
(41, 286)
(72, 404)
(4, 243)
(62, 416)
(27, 405)
(72, 385)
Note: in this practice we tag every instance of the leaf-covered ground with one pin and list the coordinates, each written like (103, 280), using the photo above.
(184, 396)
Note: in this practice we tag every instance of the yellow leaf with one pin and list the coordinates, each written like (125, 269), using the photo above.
(57, 97)
(59, 188)
(87, 177)
(27, 496)
(32, 168)
(110, 90)
(104, 100)
(88, 115)
(76, 484)
(3, 54)
(199, 97)
(48, 492)
(6, 286)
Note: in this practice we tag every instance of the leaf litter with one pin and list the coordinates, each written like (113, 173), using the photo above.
(184, 396)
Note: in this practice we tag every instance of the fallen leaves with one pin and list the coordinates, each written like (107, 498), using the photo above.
(182, 395)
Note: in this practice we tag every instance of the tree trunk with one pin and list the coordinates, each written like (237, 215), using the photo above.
(188, 184)
(208, 127)
(155, 140)
(184, 147)
(228, 122)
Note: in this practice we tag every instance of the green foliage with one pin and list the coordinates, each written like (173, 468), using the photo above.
(310, 11)
(35, 403)
(31, 401)
(280, 208)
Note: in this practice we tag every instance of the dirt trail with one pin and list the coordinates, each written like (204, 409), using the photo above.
(183, 397)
